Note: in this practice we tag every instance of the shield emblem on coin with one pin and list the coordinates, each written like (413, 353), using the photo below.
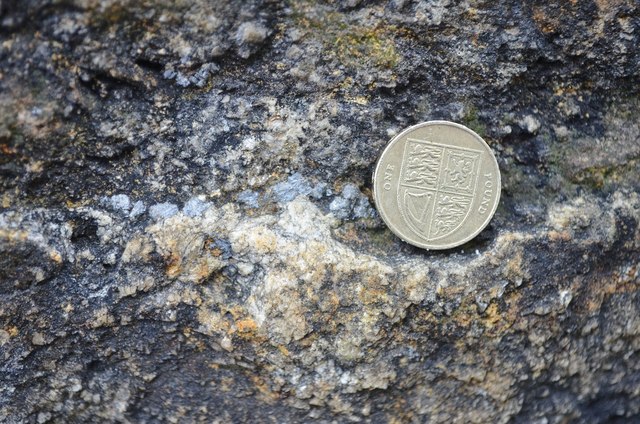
(436, 187)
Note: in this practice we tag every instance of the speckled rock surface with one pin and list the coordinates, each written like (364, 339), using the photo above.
(187, 231)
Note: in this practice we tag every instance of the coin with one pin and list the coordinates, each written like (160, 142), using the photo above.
(437, 185)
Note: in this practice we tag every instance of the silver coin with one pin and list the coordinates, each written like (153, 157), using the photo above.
(437, 185)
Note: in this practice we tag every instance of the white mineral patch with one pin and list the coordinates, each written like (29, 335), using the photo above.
(163, 210)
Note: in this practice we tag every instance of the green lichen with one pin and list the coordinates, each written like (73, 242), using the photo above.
(368, 44)
(604, 177)
(600, 162)
(472, 120)
(352, 44)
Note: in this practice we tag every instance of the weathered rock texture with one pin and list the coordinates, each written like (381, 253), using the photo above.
(187, 231)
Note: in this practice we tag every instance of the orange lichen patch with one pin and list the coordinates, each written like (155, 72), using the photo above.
(514, 266)
(492, 316)
(73, 205)
(314, 271)
(237, 323)
(35, 166)
(236, 311)
(138, 248)
(498, 321)
(246, 325)
(173, 264)
(264, 391)
(6, 149)
(189, 296)
(195, 266)
(308, 340)
(372, 295)
(349, 234)
(200, 345)
(186, 249)
(605, 6)
(55, 256)
(598, 294)
(465, 314)
(194, 341)
(402, 413)
(426, 316)
(359, 100)
(559, 235)
(601, 289)
(202, 270)
(211, 321)
(265, 241)
(284, 350)
(565, 91)
(450, 292)
(475, 41)
(12, 331)
(216, 252)
(327, 303)
(13, 235)
(545, 23)
(513, 270)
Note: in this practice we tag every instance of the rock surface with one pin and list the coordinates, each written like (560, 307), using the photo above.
(187, 231)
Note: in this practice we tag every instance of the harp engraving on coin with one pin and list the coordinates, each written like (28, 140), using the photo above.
(444, 177)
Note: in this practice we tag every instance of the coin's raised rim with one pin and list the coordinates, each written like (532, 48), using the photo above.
(382, 212)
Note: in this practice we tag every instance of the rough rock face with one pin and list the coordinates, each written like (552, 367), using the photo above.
(187, 231)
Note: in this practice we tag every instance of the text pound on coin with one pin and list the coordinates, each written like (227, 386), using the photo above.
(437, 185)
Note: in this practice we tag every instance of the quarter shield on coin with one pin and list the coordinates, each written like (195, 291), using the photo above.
(437, 185)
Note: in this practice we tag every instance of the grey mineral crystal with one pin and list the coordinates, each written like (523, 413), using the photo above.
(186, 223)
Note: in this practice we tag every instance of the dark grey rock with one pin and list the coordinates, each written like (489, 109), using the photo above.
(276, 294)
